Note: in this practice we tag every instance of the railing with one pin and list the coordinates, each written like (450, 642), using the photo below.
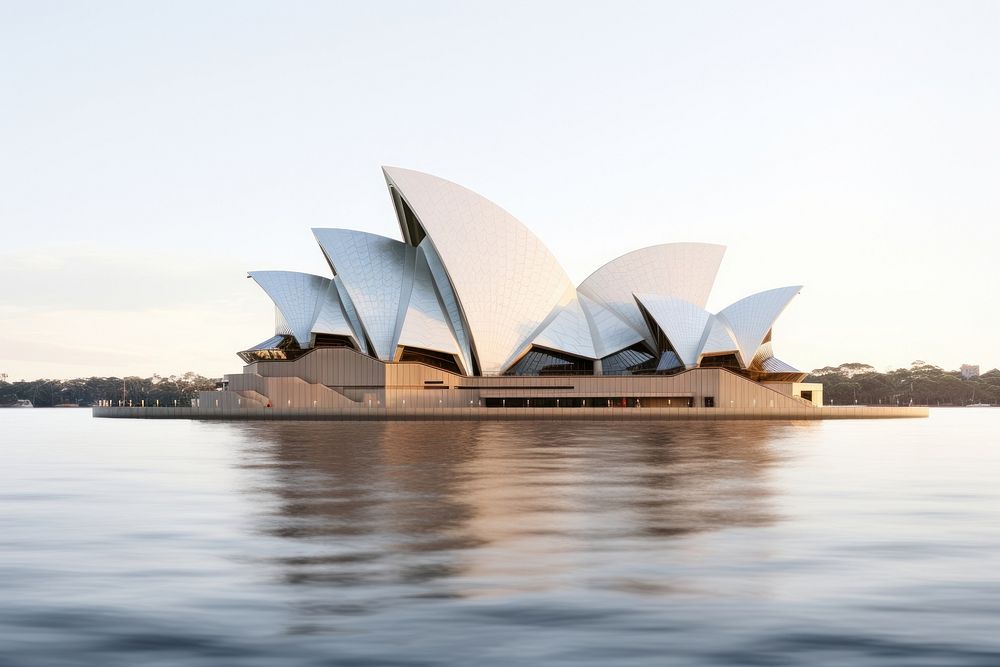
(143, 403)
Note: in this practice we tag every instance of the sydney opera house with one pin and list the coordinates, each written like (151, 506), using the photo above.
(471, 306)
(469, 315)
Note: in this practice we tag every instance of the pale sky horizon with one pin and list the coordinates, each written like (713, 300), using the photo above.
(152, 154)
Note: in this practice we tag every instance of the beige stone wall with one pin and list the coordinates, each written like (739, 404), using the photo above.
(345, 380)
(331, 367)
(796, 389)
(815, 387)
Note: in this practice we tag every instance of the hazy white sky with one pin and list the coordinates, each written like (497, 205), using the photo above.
(152, 153)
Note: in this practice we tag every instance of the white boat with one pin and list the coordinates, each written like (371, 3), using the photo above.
(20, 403)
(979, 405)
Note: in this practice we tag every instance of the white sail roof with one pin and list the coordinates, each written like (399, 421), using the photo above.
(331, 318)
(775, 365)
(425, 324)
(472, 281)
(568, 331)
(682, 270)
(750, 318)
(505, 279)
(371, 269)
(352, 315)
(450, 302)
(718, 339)
(608, 331)
(281, 327)
(683, 323)
(298, 298)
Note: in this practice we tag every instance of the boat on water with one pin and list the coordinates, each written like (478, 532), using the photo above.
(20, 403)
(979, 405)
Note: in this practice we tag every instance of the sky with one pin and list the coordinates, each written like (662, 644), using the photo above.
(153, 153)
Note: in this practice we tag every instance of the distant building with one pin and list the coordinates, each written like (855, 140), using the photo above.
(970, 371)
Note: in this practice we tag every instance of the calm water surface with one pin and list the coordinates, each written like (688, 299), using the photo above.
(164, 543)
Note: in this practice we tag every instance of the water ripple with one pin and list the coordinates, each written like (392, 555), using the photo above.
(741, 543)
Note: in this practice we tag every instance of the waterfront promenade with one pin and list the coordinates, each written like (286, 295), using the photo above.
(476, 413)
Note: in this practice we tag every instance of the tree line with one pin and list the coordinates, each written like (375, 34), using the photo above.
(920, 384)
(846, 384)
(45, 393)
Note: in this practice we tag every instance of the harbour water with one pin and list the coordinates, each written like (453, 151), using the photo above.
(135, 542)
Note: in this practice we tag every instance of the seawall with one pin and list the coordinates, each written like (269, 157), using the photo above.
(514, 414)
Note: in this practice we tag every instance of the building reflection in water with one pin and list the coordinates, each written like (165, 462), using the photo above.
(372, 514)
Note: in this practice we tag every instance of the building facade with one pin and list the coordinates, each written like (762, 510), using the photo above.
(969, 371)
